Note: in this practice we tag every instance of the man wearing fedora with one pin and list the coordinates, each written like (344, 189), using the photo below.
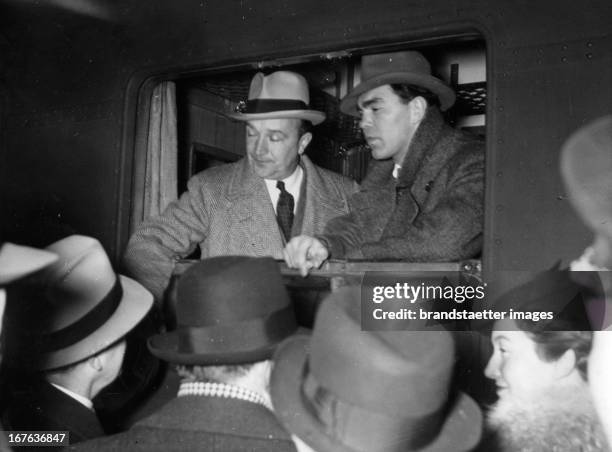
(348, 390)
(422, 198)
(254, 206)
(232, 312)
(65, 338)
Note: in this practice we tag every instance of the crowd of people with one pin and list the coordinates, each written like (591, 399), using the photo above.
(242, 374)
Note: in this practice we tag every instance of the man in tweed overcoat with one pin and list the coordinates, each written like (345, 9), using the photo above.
(231, 209)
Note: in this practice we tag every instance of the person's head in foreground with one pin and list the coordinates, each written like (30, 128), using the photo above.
(232, 312)
(586, 167)
(394, 95)
(70, 323)
(278, 121)
(344, 389)
(539, 369)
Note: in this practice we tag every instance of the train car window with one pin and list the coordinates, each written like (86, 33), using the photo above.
(206, 136)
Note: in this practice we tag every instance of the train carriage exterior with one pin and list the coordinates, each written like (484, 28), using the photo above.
(77, 78)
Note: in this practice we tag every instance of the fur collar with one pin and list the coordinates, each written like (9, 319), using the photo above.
(560, 420)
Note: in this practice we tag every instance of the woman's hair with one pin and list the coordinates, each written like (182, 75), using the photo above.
(551, 345)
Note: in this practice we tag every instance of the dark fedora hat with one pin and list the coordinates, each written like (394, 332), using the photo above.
(350, 390)
(230, 310)
(282, 94)
(407, 67)
(75, 308)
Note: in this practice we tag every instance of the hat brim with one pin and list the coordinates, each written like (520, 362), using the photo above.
(17, 261)
(461, 430)
(315, 117)
(133, 307)
(166, 347)
(445, 94)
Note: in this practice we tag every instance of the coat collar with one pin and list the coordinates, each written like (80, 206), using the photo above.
(247, 189)
(426, 135)
(217, 415)
(64, 410)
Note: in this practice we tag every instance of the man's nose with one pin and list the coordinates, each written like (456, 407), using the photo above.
(365, 121)
(260, 146)
(492, 369)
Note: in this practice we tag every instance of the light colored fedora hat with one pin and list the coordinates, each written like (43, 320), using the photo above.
(17, 261)
(79, 307)
(282, 94)
(348, 390)
(398, 67)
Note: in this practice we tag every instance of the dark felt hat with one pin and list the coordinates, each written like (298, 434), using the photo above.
(230, 310)
(348, 390)
(407, 67)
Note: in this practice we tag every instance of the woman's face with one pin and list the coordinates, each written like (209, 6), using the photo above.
(517, 369)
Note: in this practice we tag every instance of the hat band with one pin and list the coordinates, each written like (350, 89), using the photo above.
(271, 105)
(365, 430)
(86, 325)
(237, 337)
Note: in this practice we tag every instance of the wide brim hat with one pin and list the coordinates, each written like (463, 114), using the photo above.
(408, 67)
(17, 261)
(77, 308)
(362, 413)
(282, 94)
(229, 310)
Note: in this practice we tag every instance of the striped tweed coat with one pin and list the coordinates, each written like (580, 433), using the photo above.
(227, 210)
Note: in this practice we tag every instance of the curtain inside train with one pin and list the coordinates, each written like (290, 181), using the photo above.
(161, 160)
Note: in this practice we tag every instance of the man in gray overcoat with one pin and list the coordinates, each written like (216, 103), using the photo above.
(422, 198)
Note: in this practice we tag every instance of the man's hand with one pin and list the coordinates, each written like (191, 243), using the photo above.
(304, 252)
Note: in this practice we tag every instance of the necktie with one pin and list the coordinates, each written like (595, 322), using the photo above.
(284, 210)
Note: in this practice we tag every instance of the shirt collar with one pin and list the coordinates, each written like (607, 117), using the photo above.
(584, 262)
(78, 397)
(396, 170)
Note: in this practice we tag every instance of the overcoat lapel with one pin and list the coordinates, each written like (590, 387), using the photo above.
(319, 206)
(250, 211)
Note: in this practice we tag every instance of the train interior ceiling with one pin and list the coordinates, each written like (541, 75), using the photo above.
(207, 136)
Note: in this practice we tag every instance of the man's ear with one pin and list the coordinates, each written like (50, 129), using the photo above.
(566, 364)
(418, 108)
(96, 362)
(303, 142)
